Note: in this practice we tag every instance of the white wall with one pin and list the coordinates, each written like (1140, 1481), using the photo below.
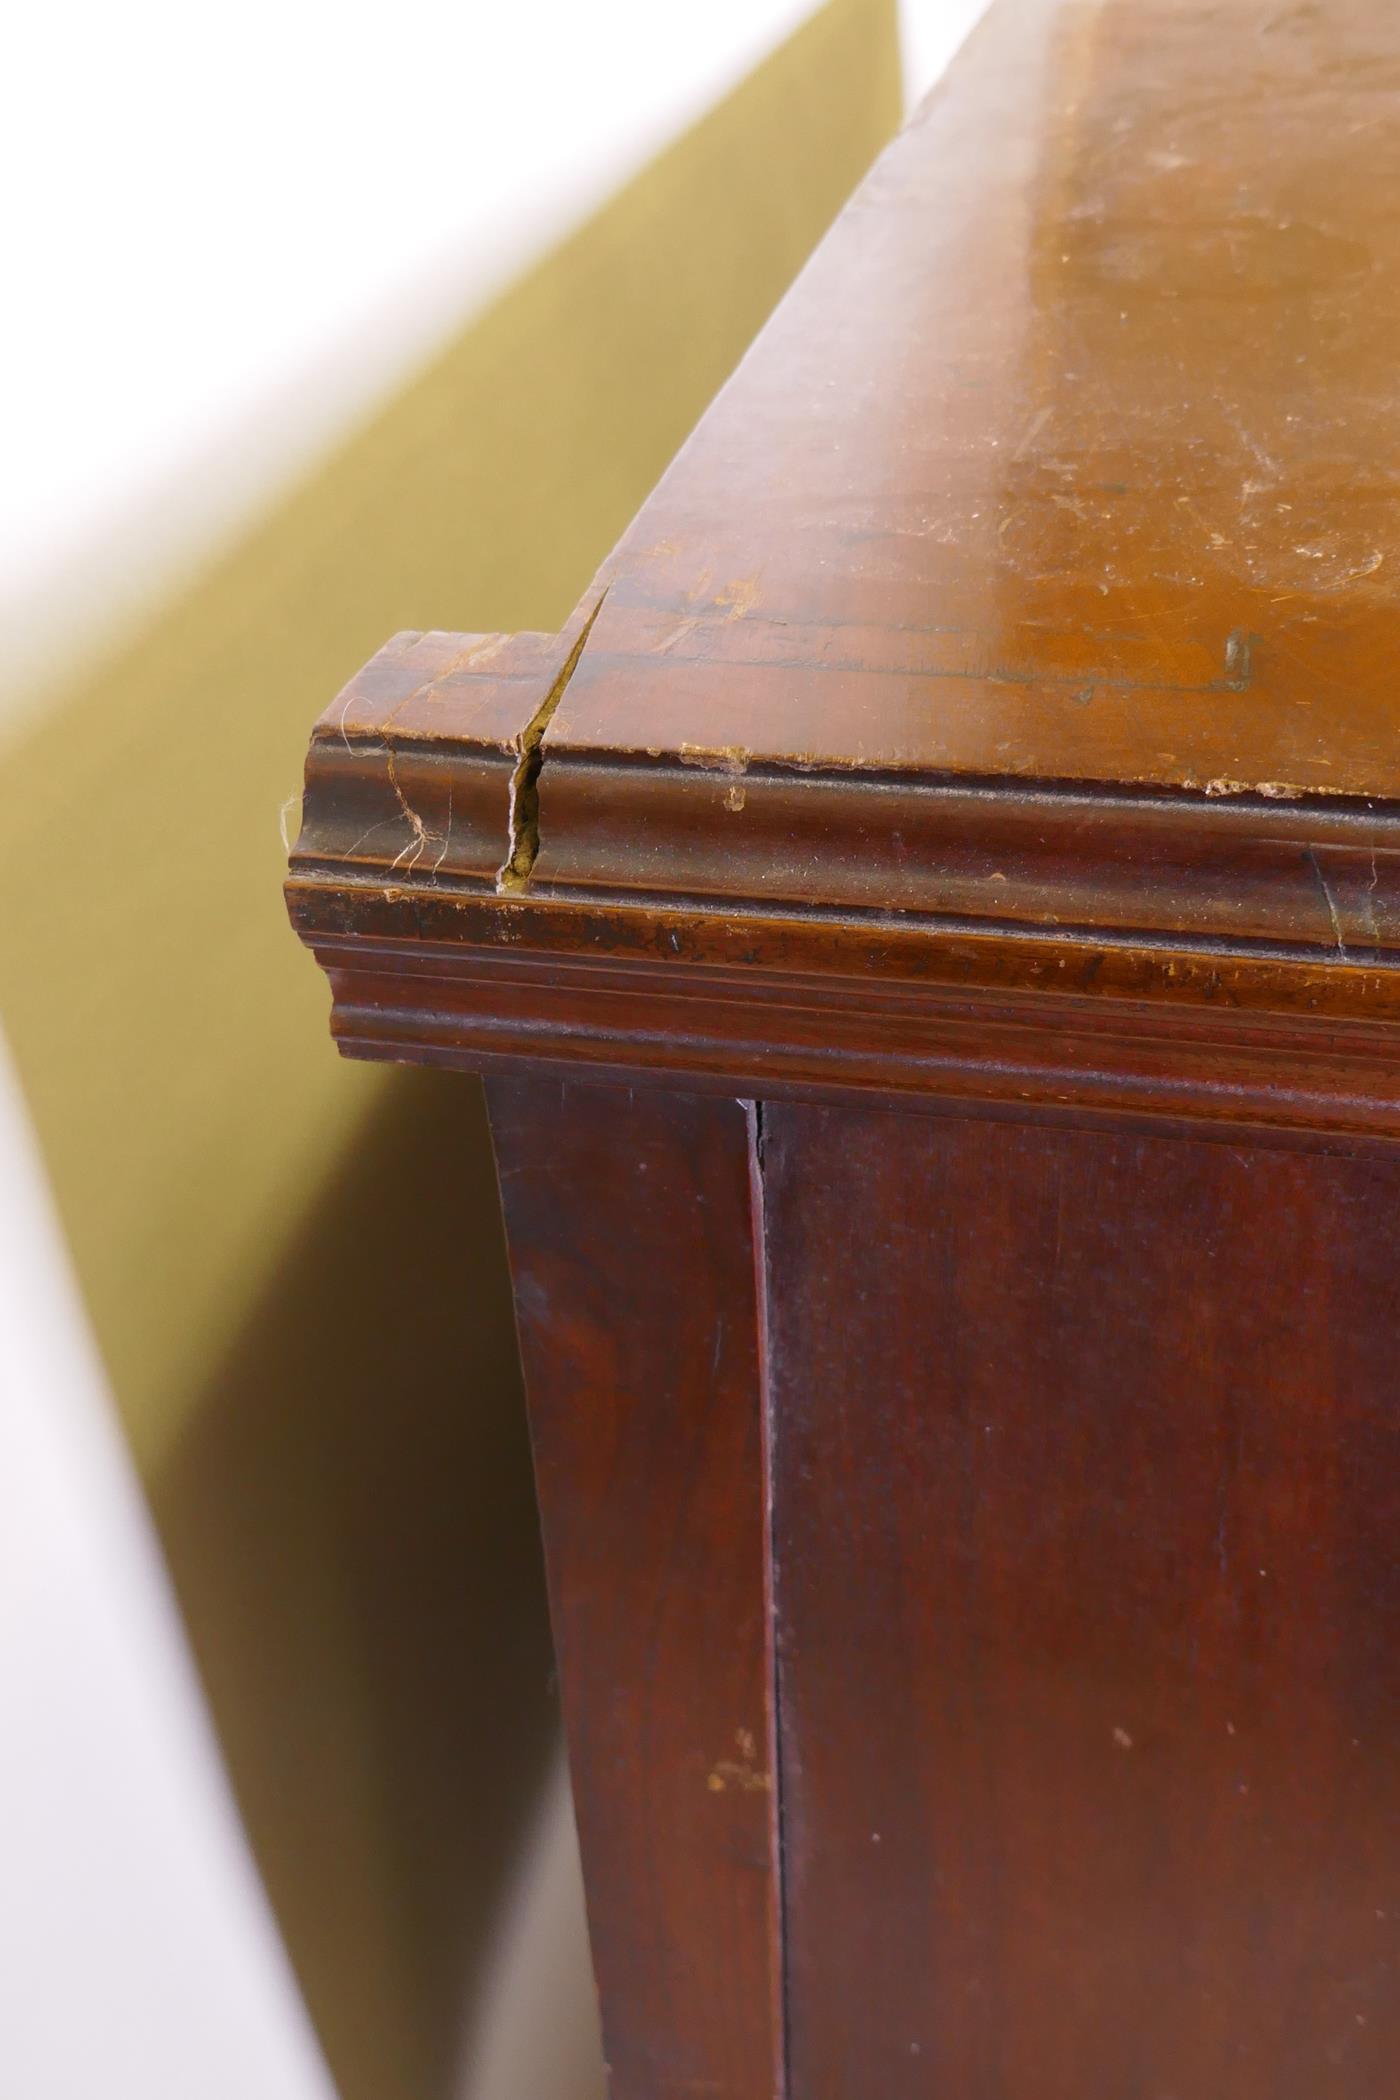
(230, 230)
(138, 1955)
(242, 225)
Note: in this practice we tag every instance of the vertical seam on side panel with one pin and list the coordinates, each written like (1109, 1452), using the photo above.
(753, 1112)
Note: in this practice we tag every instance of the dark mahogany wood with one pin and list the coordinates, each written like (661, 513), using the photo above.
(629, 1222)
(1086, 1501)
(1020, 617)
(982, 756)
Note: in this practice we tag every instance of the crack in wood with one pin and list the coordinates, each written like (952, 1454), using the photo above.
(523, 841)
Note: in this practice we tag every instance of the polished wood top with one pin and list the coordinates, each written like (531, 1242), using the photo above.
(1075, 453)
(1019, 621)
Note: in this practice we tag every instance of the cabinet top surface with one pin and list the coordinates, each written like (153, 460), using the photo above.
(1074, 455)
(1021, 619)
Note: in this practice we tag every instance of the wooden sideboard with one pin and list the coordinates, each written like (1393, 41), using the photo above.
(930, 923)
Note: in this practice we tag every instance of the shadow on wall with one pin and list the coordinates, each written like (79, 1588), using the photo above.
(294, 1267)
(352, 1515)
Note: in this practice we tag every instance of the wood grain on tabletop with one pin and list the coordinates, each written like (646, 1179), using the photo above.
(1075, 453)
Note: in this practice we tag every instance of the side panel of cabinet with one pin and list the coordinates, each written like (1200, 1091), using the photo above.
(629, 1218)
(1086, 1462)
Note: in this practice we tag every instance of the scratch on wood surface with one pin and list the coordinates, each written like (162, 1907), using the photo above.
(479, 651)
(293, 801)
(447, 834)
(1031, 432)
(678, 633)
(739, 597)
(410, 855)
(1239, 659)
(1315, 864)
(727, 758)
(743, 1772)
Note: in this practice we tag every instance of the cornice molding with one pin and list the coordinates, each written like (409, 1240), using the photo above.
(956, 721)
